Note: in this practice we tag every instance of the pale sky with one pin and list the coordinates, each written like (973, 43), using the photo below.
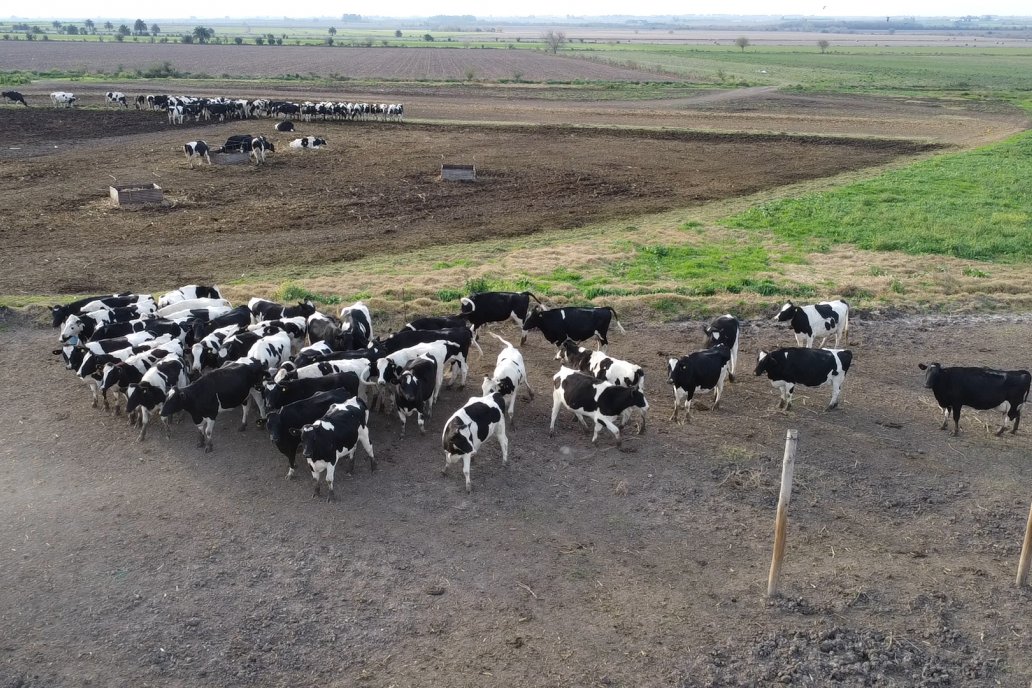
(82, 9)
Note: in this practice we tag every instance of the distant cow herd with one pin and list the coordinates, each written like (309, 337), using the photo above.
(316, 379)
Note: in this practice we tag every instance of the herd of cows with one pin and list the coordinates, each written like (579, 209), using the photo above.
(315, 379)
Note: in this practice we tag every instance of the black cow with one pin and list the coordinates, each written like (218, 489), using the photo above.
(61, 313)
(793, 366)
(238, 143)
(724, 330)
(415, 390)
(335, 436)
(604, 404)
(446, 322)
(559, 324)
(979, 388)
(697, 372)
(285, 424)
(285, 125)
(469, 427)
(220, 390)
(279, 394)
(239, 316)
(14, 97)
(497, 306)
(270, 310)
(236, 346)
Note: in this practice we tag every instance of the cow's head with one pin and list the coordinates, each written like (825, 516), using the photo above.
(765, 362)
(933, 371)
(787, 312)
(467, 305)
(58, 314)
(174, 402)
(566, 349)
(671, 366)
(532, 320)
(274, 426)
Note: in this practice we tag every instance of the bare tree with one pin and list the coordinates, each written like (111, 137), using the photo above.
(554, 40)
(823, 45)
(742, 42)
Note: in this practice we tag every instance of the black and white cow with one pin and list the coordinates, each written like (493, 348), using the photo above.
(447, 322)
(387, 370)
(271, 351)
(92, 365)
(599, 402)
(195, 315)
(323, 328)
(189, 293)
(295, 327)
(724, 330)
(334, 437)
(14, 97)
(155, 326)
(285, 125)
(260, 147)
(698, 372)
(150, 392)
(84, 325)
(791, 366)
(279, 394)
(131, 370)
(559, 324)
(191, 304)
(497, 306)
(74, 354)
(262, 309)
(602, 366)
(62, 99)
(205, 353)
(117, 98)
(357, 317)
(144, 302)
(469, 427)
(415, 390)
(284, 424)
(510, 372)
(220, 390)
(308, 143)
(239, 317)
(195, 150)
(979, 388)
(820, 320)
(236, 346)
(60, 313)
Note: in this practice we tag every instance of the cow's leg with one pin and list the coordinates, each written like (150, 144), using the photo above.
(1017, 419)
(144, 419)
(243, 422)
(511, 409)
(403, 417)
(329, 478)
(421, 414)
(1005, 407)
(503, 440)
(945, 418)
(530, 392)
(677, 406)
(291, 463)
(956, 420)
(556, 403)
(836, 389)
(317, 474)
(719, 389)
(788, 401)
(466, 459)
(209, 430)
(363, 437)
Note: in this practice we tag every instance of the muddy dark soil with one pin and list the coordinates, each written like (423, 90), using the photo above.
(151, 563)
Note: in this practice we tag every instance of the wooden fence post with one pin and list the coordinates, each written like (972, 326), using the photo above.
(781, 521)
(1026, 552)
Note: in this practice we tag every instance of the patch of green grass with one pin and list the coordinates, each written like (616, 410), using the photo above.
(876, 271)
(975, 272)
(691, 224)
(290, 292)
(975, 205)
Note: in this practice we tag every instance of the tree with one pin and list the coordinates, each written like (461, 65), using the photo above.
(124, 31)
(72, 30)
(554, 40)
(203, 34)
(823, 45)
(742, 42)
(155, 29)
(90, 26)
(187, 38)
(428, 38)
(259, 40)
(397, 33)
(108, 26)
(83, 31)
(56, 24)
(238, 40)
(332, 31)
(139, 27)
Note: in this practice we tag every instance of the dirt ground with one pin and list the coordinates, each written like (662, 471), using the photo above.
(374, 190)
(154, 564)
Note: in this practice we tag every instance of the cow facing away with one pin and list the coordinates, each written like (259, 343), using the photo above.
(468, 428)
(786, 368)
(195, 150)
(819, 320)
(698, 372)
(979, 388)
(724, 330)
(510, 372)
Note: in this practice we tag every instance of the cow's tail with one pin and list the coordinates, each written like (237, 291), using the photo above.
(527, 293)
(845, 324)
(504, 343)
(616, 318)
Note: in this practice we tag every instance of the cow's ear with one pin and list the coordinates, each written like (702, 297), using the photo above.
(922, 366)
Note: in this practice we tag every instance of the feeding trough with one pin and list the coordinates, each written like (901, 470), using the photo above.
(142, 193)
(234, 158)
(236, 151)
(458, 173)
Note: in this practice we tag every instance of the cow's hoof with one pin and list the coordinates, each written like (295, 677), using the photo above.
(242, 428)
(832, 407)
(208, 449)
(469, 488)
(260, 423)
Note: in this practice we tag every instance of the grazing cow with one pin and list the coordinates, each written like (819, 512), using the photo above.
(117, 97)
(497, 306)
(469, 427)
(60, 313)
(724, 330)
(336, 436)
(284, 126)
(269, 310)
(820, 320)
(698, 372)
(604, 404)
(150, 392)
(284, 424)
(260, 146)
(602, 366)
(196, 150)
(416, 390)
(188, 293)
(308, 142)
(357, 317)
(220, 390)
(191, 304)
(14, 97)
(979, 388)
(559, 324)
(279, 394)
(60, 98)
(786, 368)
(509, 373)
